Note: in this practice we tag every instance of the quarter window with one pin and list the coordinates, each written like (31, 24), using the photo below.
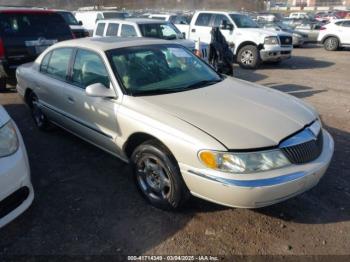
(204, 19)
(100, 29)
(89, 69)
(112, 29)
(128, 31)
(59, 63)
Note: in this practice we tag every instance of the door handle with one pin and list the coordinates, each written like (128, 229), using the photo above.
(71, 99)
(193, 30)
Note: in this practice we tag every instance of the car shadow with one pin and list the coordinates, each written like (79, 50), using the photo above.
(86, 201)
(299, 91)
(329, 201)
(298, 63)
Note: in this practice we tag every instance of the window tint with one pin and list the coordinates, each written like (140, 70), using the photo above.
(59, 63)
(219, 19)
(346, 23)
(204, 19)
(128, 31)
(181, 20)
(45, 62)
(48, 25)
(111, 15)
(89, 69)
(100, 29)
(159, 18)
(112, 29)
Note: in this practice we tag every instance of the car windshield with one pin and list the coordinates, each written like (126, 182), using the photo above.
(243, 21)
(164, 31)
(112, 15)
(69, 18)
(160, 69)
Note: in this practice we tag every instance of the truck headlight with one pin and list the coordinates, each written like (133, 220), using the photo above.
(271, 40)
(240, 163)
(8, 139)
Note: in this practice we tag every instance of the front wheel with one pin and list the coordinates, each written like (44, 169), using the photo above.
(331, 44)
(158, 176)
(248, 57)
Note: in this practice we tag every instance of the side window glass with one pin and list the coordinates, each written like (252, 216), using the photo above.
(219, 19)
(112, 29)
(89, 69)
(59, 63)
(45, 63)
(346, 23)
(100, 29)
(203, 19)
(128, 31)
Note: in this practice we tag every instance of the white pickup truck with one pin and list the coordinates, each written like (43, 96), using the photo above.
(250, 43)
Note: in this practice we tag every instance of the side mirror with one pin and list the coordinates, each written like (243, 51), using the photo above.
(80, 23)
(226, 26)
(100, 90)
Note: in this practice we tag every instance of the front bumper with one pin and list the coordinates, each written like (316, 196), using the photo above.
(16, 191)
(265, 189)
(275, 53)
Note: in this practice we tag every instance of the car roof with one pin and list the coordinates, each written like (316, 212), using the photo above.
(108, 43)
(134, 20)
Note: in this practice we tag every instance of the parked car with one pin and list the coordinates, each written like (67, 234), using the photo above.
(250, 44)
(310, 29)
(16, 190)
(269, 17)
(24, 34)
(138, 27)
(183, 127)
(89, 18)
(76, 27)
(299, 15)
(335, 34)
(180, 21)
(299, 38)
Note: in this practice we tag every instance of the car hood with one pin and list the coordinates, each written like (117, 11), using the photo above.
(4, 117)
(263, 31)
(239, 114)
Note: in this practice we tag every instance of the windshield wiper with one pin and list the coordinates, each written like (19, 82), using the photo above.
(176, 90)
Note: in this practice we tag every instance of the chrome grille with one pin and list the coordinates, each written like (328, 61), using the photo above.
(286, 40)
(305, 152)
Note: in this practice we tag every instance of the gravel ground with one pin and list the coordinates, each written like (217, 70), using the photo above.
(86, 202)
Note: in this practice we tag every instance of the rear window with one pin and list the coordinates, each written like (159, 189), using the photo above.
(48, 25)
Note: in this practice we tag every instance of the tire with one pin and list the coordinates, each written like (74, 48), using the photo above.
(3, 84)
(248, 57)
(331, 44)
(40, 120)
(158, 176)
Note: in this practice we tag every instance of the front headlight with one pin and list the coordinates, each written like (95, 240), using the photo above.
(8, 140)
(271, 40)
(240, 163)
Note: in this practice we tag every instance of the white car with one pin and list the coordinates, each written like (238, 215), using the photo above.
(250, 44)
(335, 35)
(89, 18)
(299, 15)
(16, 191)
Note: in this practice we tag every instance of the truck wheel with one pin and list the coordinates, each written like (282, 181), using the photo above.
(248, 57)
(331, 44)
(2, 84)
(158, 176)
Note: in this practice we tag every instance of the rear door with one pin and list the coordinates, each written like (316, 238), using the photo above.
(25, 35)
(201, 28)
(345, 35)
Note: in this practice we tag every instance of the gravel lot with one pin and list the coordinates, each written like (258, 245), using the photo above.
(87, 204)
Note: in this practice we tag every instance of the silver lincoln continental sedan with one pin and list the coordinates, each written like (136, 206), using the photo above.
(184, 128)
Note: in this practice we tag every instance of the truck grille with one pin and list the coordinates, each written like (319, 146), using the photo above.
(286, 40)
(305, 152)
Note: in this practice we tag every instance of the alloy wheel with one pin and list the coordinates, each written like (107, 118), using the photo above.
(247, 57)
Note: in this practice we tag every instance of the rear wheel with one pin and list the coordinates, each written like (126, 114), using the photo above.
(248, 57)
(158, 176)
(331, 44)
(39, 118)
